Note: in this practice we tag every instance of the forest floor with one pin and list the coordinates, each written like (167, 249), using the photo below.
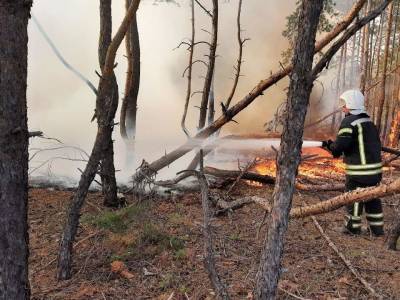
(161, 244)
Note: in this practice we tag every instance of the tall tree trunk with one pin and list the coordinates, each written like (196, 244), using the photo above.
(337, 91)
(382, 94)
(301, 83)
(129, 103)
(365, 54)
(14, 252)
(385, 67)
(211, 102)
(189, 71)
(107, 168)
(106, 107)
(210, 67)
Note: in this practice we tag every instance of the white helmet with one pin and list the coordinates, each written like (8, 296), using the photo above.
(354, 101)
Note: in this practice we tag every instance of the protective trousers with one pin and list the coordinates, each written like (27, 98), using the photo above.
(373, 211)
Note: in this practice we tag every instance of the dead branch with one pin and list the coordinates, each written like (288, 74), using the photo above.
(61, 58)
(322, 119)
(35, 134)
(345, 260)
(250, 97)
(391, 151)
(204, 8)
(209, 259)
(235, 174)
(210, 66)
(242, 172)
(265, 179)
(239, 60)
(189, 76)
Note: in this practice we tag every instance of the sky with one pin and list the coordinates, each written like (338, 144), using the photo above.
(61, 105)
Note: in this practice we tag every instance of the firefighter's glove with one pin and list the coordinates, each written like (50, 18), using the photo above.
(327, 145)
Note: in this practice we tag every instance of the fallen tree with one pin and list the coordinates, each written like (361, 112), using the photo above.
(258, 90)
(358, 195)
(265, 179)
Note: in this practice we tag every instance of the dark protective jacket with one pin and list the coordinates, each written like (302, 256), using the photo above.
(358, 141)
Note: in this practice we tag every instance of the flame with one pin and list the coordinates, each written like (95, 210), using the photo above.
(323, 165)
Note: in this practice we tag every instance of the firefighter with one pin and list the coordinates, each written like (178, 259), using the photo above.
(358, 141)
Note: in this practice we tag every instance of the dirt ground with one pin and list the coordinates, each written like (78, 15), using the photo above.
(160, 242)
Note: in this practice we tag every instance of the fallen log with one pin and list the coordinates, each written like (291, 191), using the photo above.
(358, 195)
(235, 174)
(266, 179)
(250, 97)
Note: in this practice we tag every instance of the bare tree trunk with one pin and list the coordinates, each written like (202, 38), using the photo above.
(14, 252)
(240, 56)
(107, 168)
(353, 61)
(211, 102)
(344, 68)
(289, 154)
(365, 54)
(105, 107)
(129, 103)
(189, 72)
(383, 102)
(210, 67)
(337, 91)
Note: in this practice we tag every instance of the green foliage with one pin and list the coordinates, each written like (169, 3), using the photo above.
(116, 221)
(324, 25)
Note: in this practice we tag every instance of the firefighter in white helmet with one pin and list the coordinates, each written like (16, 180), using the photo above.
(358, 141)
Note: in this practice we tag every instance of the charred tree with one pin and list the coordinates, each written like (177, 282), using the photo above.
(210, 65)
(301, 82)
(106, 107)
(129, 103)
(14, 251)
(107, 168)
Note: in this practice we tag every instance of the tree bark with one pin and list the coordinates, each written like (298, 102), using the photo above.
(104, 130)
(337, 91)
(189, 71)
(14, 251)
(288, 160)
(365, 53)
(258, 90)
(210, 67)
(107, 168)
(384, 103)
(129, 103)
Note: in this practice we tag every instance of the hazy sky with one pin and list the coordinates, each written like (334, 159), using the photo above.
(62, 106)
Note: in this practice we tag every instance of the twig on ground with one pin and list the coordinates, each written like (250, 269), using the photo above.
(345, 260)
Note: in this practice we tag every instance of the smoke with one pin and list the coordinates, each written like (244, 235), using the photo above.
(61, 105)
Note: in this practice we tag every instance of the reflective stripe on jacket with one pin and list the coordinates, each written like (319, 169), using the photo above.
(358, 141)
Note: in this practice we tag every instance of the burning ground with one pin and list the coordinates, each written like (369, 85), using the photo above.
(153, 249)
